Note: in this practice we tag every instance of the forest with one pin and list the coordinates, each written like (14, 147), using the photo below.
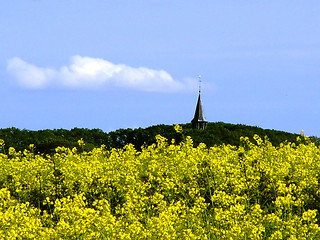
(216, 133)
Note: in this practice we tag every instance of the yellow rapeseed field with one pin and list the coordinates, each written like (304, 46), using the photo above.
(164, 191)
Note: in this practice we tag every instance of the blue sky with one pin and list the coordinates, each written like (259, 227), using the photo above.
(126, 64)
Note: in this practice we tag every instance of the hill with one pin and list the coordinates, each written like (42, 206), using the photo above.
(217, 133)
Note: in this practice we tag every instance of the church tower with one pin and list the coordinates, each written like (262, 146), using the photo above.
(199, 120)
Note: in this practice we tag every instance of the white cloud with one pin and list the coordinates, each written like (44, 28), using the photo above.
(94, 73)
(28, 75)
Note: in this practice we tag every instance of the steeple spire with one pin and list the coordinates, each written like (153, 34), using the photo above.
(199, 120)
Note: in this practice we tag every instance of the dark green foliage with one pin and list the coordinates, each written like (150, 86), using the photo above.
(46, 141)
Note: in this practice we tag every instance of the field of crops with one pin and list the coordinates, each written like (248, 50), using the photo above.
(164, 191)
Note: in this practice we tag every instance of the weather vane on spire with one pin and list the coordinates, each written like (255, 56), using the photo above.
(199, 83)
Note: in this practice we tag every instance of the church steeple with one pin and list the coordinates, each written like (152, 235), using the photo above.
(199, 120)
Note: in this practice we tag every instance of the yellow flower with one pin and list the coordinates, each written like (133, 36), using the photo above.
(178, 128)
(81, 142)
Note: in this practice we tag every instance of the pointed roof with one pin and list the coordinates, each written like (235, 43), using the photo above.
(199, 115)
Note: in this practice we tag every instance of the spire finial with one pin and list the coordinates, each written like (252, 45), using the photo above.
(199, 83)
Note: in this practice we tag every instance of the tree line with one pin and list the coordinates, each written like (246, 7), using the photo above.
(216, 133)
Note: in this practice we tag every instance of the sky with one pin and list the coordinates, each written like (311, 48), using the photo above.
(127, 64)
